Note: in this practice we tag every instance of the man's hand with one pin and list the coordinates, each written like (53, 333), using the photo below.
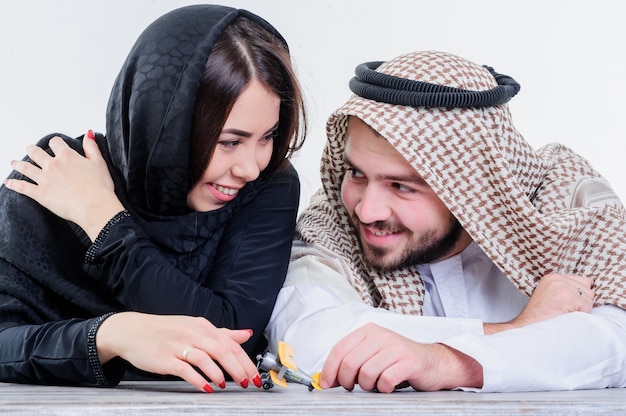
(376, 358)
(556, 294)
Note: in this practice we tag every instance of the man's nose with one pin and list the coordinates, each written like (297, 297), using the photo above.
(373, 206)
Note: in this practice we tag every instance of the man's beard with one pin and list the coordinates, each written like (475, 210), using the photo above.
(430, 247)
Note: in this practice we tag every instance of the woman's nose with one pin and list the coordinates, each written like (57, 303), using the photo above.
(247, 166)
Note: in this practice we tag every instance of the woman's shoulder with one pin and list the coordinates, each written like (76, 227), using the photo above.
(74, 142)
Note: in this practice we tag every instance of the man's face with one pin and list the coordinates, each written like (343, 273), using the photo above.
(398, 218)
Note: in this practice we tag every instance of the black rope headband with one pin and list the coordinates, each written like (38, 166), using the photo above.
(394, 90)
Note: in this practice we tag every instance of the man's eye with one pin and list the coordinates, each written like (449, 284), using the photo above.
(355, 173)
(403, 188)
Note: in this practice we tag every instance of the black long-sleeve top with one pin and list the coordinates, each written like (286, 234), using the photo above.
(49, 318)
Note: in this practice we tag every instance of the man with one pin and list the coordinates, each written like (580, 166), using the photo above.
(445, 252)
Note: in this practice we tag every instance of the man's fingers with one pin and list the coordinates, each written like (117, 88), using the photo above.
(587, 296)
(330, 371)
(580, 280)
(571, 278)
(348, 355)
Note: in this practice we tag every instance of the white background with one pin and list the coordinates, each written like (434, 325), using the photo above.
(58, 61)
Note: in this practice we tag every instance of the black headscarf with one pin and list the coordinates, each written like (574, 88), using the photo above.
(151, 106)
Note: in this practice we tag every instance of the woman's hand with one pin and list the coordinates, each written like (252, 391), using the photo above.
(174, 345)
(76, 188)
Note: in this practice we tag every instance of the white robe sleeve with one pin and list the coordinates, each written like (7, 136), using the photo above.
(570, 352)
(317, 307)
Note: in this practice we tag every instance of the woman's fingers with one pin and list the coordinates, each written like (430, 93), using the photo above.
(58, 147)
(224, 348)
(251, 372)
(90, 147)
(188, 347)
(193, 359)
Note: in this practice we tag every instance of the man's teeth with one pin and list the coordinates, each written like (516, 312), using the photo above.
(381, 233)
(226, 191)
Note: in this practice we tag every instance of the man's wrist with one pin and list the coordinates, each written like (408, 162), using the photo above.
(464, 371)
(490, 329)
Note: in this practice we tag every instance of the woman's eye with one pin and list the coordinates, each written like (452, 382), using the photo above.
(270, 136)
(229, 143)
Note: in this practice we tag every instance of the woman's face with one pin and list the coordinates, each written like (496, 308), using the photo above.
(243, 150)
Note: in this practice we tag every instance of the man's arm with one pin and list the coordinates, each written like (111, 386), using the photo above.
(569, 352)
(317, 307)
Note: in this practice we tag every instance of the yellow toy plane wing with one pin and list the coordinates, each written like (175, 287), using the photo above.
(316, 381)
(280, 381)
(286, 354)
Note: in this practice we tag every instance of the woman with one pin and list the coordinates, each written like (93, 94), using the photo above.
(163, 248)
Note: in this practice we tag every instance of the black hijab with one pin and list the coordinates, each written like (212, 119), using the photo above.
(150, 110)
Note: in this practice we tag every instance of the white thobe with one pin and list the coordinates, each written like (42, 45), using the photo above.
(317, 307)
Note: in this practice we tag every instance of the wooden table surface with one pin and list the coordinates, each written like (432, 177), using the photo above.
(174, 397)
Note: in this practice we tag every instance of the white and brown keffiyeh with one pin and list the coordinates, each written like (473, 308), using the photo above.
(531, 211)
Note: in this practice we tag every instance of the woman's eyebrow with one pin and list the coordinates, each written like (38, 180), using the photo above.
(247, 133)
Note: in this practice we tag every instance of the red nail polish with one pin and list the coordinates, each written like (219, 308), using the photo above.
(244, 383)
(222, 385)
(257, 381)
(207, 388)
(90, 135)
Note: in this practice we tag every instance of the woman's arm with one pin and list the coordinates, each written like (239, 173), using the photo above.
(249, 268)
(86, 351)
(250, 264)
(61, 352)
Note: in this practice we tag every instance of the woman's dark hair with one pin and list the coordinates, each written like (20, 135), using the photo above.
(244, 52)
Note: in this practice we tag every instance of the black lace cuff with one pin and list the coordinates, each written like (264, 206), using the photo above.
(91, 252)
(92, 351)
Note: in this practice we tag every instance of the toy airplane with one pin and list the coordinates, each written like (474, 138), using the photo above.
(282, 369)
